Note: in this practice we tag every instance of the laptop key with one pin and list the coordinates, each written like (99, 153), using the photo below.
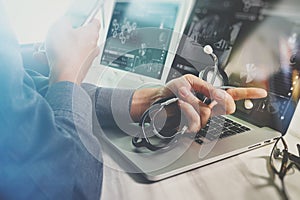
(228, 133)
(245, 128)
(219, 127)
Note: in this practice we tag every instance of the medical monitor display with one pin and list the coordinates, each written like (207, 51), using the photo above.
(139, 37)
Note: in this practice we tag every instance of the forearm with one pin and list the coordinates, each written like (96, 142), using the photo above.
(111, 105)
(142, 100)
(120, 106)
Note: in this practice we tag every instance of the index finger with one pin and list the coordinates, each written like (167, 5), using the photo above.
(199, 85)
(247, 93)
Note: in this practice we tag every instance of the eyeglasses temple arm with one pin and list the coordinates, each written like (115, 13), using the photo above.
(295, 159)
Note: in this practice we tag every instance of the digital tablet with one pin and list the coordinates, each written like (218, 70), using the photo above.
(140, 42)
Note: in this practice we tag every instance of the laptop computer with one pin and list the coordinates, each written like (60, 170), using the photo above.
(257, 58)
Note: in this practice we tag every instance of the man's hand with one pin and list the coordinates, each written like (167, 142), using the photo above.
(70, 52)
(196, 112)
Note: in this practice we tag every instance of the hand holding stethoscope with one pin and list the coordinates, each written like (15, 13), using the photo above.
(150, 137)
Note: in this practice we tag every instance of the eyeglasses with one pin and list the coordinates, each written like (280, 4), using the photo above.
(282, 161)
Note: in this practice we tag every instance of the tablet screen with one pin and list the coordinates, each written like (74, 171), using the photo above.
(139, 37)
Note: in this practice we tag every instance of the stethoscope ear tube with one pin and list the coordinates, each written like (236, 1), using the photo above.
(216, 70)
(142, 142)
(142, 139)
(137, 142)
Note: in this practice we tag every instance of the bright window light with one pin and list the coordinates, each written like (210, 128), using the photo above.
(31, 19)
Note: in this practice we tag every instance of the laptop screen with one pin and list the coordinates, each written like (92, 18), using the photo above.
(267, 56)
(216, 23)
(256, 44)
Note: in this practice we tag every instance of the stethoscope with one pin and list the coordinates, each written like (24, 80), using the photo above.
(142, 139)
(165, 142)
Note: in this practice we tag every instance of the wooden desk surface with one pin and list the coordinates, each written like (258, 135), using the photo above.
(246, 176)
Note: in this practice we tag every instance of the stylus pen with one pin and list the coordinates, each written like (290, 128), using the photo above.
(98, 8)
(102, 15)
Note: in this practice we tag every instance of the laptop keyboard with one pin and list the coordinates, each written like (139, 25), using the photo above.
(218, 128)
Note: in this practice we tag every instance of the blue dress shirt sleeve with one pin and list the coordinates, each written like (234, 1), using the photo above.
(42, 155)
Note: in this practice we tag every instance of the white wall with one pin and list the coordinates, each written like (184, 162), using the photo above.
(37, 15)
